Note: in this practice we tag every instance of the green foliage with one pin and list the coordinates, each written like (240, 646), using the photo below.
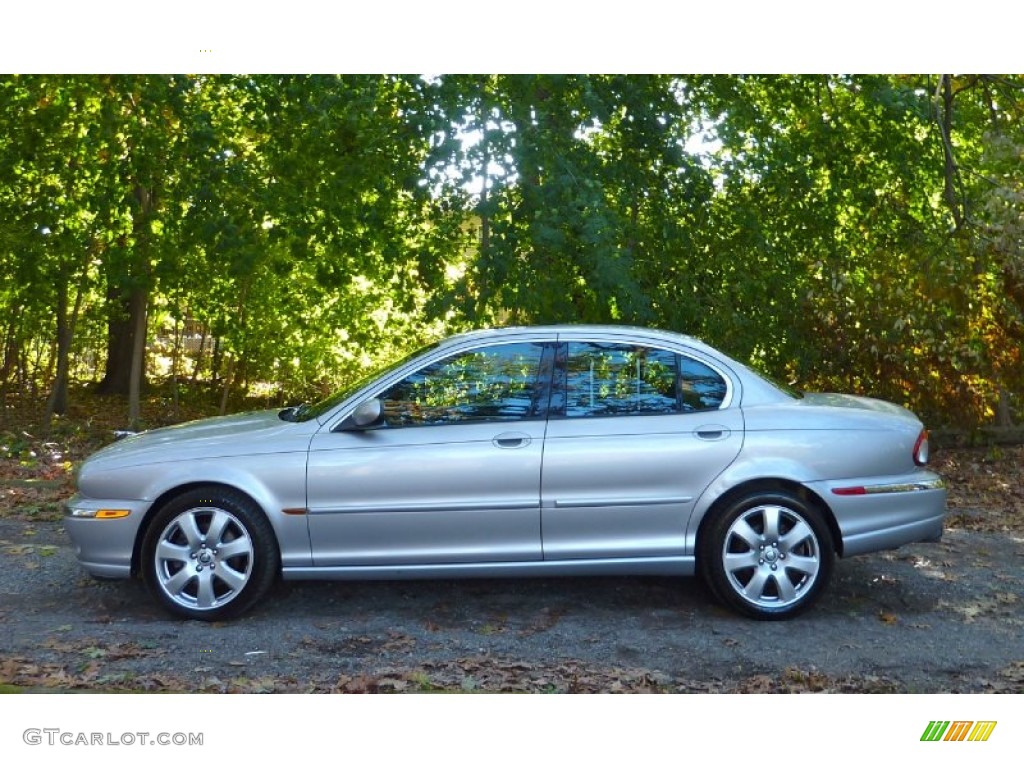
(285, 232)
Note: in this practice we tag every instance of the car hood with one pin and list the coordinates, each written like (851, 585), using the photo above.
(244, 434)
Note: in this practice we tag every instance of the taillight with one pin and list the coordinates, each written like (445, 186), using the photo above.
(921, 449)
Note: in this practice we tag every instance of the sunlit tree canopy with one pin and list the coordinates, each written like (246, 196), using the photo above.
(285, 233)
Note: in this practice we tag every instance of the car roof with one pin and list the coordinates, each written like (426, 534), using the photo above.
(582, 329)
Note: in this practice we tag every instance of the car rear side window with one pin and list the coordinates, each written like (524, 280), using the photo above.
(496, 383)
(701, 387)
(614, 379)
(619, 379)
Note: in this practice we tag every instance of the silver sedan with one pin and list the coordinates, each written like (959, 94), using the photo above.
(568, 450)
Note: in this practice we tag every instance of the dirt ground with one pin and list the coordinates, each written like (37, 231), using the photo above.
(926, 618)
(942, 617)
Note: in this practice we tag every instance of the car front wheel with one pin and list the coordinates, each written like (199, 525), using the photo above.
(768, 555)
(209, 554)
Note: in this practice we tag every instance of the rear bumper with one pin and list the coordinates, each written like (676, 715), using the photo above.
(879, 513)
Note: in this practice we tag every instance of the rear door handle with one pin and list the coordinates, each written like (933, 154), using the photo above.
(712, 432)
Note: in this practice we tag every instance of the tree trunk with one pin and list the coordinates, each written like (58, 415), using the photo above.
(227, 385)
(1004, 418)
(139, 301)
(58, 401)
(944, 108)
(36, 374)
(117, 371)
(229, 376)
(127, 304)
(199, 358)
(179, 332)
(215, 362)
(11, 347)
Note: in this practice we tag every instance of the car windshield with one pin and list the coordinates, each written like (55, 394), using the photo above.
(306, 412)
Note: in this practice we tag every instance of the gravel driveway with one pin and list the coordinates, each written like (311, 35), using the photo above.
(925, 618)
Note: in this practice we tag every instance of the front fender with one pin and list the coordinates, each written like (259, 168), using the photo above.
(276, 482)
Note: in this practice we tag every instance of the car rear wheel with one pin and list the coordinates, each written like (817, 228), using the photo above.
(209, 554)
(768, 555)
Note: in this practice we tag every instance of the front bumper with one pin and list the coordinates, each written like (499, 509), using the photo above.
(879, 513)
(104, 546)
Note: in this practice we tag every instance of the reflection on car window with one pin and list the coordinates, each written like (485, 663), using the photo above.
(619, 379)
(498, 383)
(701, 387)
(316, 410)
(623, 379)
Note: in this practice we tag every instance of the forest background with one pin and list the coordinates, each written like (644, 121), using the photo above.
(241, 240)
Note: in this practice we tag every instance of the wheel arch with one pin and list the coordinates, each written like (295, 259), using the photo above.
(172, 493)
(770, 485)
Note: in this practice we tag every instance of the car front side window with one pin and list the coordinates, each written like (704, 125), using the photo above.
(504, 382)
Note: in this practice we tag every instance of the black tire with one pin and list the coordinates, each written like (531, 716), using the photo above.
(209, 554)
(767, 555)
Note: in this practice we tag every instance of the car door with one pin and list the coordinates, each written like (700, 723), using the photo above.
(636, 433)
(450, 475)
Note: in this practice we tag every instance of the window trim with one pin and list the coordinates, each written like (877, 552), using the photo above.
(553, 338)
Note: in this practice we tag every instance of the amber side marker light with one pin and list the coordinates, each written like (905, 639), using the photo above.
(112, 514)
(98, 514)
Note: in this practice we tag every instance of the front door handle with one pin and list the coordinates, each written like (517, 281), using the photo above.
(512, 440)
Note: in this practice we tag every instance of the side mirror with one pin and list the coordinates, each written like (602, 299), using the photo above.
(368, 414)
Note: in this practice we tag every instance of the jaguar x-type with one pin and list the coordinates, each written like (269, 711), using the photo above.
(570, 450)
